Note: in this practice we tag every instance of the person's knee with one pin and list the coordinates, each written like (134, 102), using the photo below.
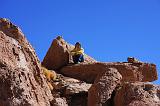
(78, 58)
(81, 58)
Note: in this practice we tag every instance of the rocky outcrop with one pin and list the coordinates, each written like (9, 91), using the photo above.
(23, 82)
(58, 55)
(101, 91)
(74, 91)
(137, 94)
(70, 86)
(21, 79)
(60, 101)
(130, 71)
(108, 76)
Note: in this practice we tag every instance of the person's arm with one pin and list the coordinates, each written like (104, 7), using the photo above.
(81, 51)
(73, 51)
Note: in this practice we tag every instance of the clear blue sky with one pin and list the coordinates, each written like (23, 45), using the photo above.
(109, 30)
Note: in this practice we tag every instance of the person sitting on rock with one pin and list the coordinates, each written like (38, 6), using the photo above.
(78, 53)
(133, 60)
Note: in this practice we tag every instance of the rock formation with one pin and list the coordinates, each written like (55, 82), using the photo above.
(101, 91)
(130, 71)
(105, 77)
(21, 79)
(137, 94)
(58, 55)
(90, 83)
(73, 91)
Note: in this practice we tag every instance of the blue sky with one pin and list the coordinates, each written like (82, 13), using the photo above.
(109, 30)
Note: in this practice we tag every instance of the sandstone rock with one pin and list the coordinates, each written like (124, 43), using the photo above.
(58, 55)
(59, 102)
(130, 71)
(101, 91)
(21, 78)
(71, 80)
(75, 91)
(137, 94)
(70, 86)
(77, 88)
(23, 83)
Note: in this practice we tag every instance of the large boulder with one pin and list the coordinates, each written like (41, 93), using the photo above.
(100, 93)
(71, 86)
(137, 94)
(130, 71)
(75, 91)
(21, 79)
(58, 54)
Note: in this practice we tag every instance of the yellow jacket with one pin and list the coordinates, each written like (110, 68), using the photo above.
(77, 51)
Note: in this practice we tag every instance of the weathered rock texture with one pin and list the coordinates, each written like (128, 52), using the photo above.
(130, 71)
(137, 94)
(74, 91)
(58, 55)
(70, 86)
(101, 91)
(23, 83)
(21, 79)
(60, 101)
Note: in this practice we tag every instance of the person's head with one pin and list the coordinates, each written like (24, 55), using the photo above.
(130, 59)
(78, 45)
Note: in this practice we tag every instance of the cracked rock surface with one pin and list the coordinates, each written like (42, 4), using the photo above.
(20, 73)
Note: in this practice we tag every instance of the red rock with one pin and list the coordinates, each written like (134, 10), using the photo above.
(59, 102)
(75, 91)
(100, 92)
(23, 83)
(72, 88)
(130, 71)
(21, 79)
(137, 94)
(58, 55)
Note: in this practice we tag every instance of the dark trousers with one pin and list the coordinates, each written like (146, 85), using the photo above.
(78, 58)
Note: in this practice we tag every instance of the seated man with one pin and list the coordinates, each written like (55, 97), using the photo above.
(78, 53)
